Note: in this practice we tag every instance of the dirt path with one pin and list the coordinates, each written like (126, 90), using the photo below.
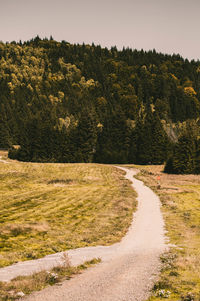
(128, 268)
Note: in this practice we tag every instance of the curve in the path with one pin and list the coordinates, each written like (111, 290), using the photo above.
(128, 268)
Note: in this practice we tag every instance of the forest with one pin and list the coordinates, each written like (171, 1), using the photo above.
(62, 102)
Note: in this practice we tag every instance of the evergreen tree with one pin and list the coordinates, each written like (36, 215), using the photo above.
(5, 139)
(84, 138)
(185, 156)
(152, 141)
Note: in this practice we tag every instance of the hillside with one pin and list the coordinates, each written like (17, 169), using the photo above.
(84, 103)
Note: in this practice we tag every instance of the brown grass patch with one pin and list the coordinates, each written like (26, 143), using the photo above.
(180, 197)
(24, 285)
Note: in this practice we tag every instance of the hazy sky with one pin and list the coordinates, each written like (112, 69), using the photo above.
(169, 26)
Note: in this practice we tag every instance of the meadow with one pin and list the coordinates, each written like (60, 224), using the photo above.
(48, 208)
(180, 197)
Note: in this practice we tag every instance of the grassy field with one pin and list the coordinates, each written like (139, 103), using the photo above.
(47, 208)
(180, 197)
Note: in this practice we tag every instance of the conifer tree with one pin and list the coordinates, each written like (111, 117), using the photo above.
(84, 138)
(5, 139)
(185, 155)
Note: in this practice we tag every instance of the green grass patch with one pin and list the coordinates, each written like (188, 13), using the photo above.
(180, 197)
(48, 208)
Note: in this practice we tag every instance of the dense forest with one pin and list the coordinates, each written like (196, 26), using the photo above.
(83, 103)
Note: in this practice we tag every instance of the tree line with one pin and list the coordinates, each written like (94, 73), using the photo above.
(84, 103)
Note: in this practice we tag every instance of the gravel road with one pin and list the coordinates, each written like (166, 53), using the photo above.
(128, 269)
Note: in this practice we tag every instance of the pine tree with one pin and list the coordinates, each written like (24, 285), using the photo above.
(184, 159)
(83, 139)
(5, 139)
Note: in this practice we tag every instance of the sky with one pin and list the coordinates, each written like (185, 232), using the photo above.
(169, 26)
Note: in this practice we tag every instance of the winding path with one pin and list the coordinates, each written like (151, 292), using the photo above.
(128, 268)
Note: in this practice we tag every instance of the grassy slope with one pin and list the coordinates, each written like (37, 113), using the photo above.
(47, 208)
(180, 197)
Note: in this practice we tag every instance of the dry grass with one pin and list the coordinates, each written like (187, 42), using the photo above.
(47, 208)
(21, 286)
(180, 197)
